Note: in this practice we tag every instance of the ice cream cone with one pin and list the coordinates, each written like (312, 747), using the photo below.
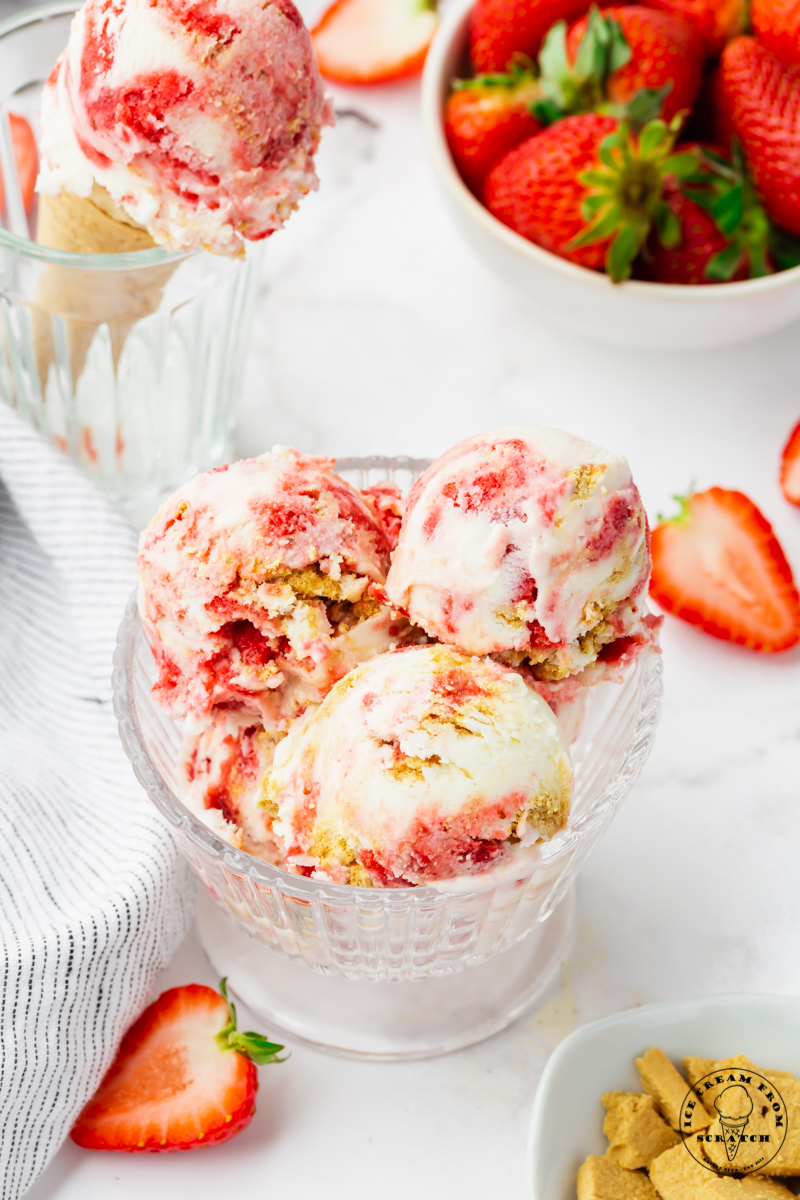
(84, 300)
(88, 225)
(732, 1130)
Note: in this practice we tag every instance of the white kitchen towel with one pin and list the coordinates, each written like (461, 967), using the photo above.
(94, 894)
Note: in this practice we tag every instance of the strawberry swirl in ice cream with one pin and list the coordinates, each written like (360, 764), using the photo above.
(200, 119)
(421, 766)
(528, 543)
(255, 586)
(225, 754)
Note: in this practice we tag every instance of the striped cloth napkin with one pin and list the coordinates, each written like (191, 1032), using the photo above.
(94, 895)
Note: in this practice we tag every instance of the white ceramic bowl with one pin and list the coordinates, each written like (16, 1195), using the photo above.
(629, 314)
(567, 1119)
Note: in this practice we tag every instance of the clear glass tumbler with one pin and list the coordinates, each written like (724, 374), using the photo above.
(395, 972)
(131, 363)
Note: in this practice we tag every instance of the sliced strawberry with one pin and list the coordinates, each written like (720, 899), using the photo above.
(373, 41)
(183, 1077)
(486, 117)
(26, 158)
(719, 565)
(501, 29)
(790, 467)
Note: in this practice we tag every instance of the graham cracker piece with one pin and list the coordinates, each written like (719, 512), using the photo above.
(677, 1176)
(601, 1179)
(636, 1133)
(696, 1068)
(661, 1080)
(761, 1121)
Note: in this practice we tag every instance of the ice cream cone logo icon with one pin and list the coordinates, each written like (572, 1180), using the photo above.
(734, 1107)
(743, 1119)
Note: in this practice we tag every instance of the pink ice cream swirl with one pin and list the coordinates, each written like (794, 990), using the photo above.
(255, 587)
(528, 544)
(200, 119)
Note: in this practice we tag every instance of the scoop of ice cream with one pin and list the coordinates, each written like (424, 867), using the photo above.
(254, 586)
(526, 542)
(734, 1103)
(199, 119)
(421, 765)
(225, 755)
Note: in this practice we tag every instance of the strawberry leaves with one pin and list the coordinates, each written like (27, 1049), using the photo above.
(582, 86)
(569, 88)
(252, 1045)
(626, 195)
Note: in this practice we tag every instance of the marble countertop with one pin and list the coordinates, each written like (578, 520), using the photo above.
(377, 332)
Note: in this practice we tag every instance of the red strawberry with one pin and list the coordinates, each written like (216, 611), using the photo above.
(585, 189)
(725, 233)
(777, 26)
(719, 565)
(183, 1077)
(760, 100)
(664, 50)
(701, 242)
(373, 41)
(27, 160)
(790, 467)
(500, 29)
(717, 21)
(486, 117)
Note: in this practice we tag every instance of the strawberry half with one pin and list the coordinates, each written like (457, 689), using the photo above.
(373, 41)
(790, 467)
(718, 565)
(27, 159)
(183, 1077)
(487, 116)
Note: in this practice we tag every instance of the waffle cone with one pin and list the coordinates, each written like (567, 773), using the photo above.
(85, 300)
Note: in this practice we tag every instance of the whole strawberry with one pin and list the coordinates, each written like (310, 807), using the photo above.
(665, 55)
(716, 21)
(590, 191)
(777, 25)
(701, 243)
(486, 117)
(500, 29)
(725, 233)
(183, 1077)
(760, 102)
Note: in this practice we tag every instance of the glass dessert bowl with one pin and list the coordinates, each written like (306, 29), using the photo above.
(398, 972)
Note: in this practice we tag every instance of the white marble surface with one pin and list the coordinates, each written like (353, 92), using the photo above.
(378, 333)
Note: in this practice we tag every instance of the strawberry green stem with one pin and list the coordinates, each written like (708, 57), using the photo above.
(252, 1045)
(625, 197)
(683, 516)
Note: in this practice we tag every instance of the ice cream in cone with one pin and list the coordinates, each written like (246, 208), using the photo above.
(167, 125)
(734, 1107)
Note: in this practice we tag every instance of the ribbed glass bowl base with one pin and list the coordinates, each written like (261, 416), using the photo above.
(419, 1018)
